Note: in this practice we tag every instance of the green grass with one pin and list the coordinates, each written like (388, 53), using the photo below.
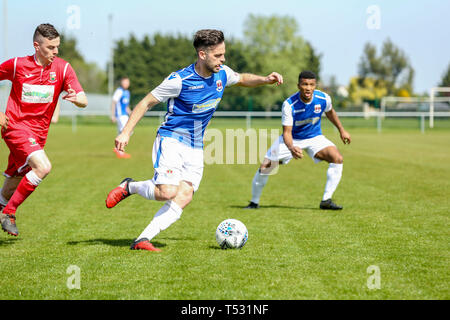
(396, 216)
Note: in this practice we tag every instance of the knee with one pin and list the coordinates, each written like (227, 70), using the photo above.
(43, 170)
(267, 166)
(167, 193)
(338, 159)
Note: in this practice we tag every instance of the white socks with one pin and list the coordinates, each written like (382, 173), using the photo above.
(334, 174)
(258, 183)
(33, 178)
(144, 188)
(168, 214)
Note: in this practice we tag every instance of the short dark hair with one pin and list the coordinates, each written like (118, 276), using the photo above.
(306, 75)
(206, 38)
(45, 30)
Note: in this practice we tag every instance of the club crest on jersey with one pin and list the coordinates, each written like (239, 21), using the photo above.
(33, 142)
(317, 108)
(52, 76)
(219, 85)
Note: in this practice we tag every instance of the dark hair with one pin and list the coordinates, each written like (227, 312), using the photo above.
(45, 30)
(207, 38)
(306, 75)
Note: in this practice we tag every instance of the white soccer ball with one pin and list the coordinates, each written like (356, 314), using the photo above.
(231, 234)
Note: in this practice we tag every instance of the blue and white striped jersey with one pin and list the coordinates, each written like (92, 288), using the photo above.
(191, 102)
(305, 119)
(122, 99)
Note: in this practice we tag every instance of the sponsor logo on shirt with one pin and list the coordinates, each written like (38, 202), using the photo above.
(299, 110)
(306, 121)
(208, 105)
(317, 108)
(219, 85)
(37, 93)
(201, 86)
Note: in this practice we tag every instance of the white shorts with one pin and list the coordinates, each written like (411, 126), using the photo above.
(279, 152)
(175, 161)
(121, 122)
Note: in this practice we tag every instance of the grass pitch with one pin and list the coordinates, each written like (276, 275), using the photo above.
(395, 193)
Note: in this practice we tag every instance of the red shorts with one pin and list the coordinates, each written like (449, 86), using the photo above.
(22, 145)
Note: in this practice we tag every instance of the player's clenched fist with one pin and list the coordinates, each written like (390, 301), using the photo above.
(122, 141)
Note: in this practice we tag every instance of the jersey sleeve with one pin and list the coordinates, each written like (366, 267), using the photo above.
(8, 69)
(117, 95)
(70, 78)
(232, 77)
(169, 88)
(286, 115)
(329, 105)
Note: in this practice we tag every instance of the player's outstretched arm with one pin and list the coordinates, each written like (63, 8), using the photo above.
(297, 152)
(80, 99)
(138, 112)
(251, 80)
(333, 117)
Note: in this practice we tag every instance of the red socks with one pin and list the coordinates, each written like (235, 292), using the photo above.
(26, 187)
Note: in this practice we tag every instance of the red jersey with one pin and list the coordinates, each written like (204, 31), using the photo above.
(35, 91)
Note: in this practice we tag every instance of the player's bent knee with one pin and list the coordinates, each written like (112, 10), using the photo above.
(166, 192)
(43, 170)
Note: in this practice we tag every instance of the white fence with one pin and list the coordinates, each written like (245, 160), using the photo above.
(100, 105)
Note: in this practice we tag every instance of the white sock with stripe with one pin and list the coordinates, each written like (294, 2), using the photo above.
(145, 189)
(334, 175)
(258, 183)
(168, 214)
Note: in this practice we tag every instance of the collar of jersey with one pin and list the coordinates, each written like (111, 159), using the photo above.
(195, 71)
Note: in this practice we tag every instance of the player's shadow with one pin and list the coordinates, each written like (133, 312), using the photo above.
(112, 242)
(276, 206)
(8, 242)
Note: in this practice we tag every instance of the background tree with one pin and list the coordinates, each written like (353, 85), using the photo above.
(445, 81)
(270, 44)
(92, 78)
(387, 74)
(149, 61)
(274, 44)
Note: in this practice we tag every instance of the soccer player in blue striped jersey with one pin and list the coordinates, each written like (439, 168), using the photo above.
(192, 95)
(120, 109)
(301, 120)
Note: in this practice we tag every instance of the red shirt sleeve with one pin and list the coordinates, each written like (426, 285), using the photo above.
(7, 70)
(71, 79)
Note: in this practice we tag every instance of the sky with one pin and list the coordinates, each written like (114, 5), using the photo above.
(336, 29)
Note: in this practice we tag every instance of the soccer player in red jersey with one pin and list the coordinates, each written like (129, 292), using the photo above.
(37, 82)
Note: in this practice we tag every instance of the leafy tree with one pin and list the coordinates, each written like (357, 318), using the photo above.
(274, 44)
(392, 68)
(92, 78)
(445, 81)
(149, 61)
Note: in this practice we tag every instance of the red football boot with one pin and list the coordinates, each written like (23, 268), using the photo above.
(144, 244)
(119, 193)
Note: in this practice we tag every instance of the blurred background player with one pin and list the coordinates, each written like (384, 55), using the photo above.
(192, 96)
(301, 120)
(37, 81)
(120, 110)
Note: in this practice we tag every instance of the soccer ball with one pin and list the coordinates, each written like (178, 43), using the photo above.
(231, 234)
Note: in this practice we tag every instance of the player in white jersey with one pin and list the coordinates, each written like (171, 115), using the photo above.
(192, 96)
(120, 110)
(301, 118)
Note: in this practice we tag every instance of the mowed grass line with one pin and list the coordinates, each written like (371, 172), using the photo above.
(394, 190)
